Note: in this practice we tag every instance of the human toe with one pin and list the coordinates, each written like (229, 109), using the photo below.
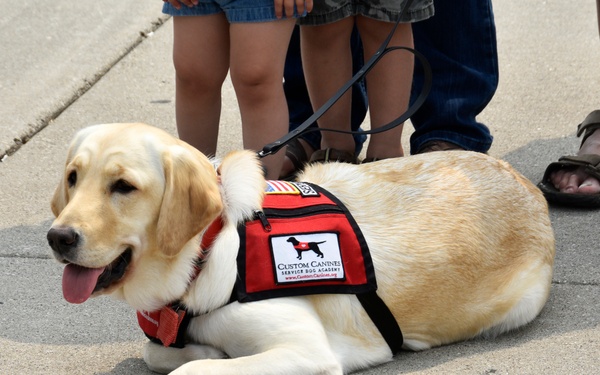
(562, 181)
(589, 186)
(570, 183)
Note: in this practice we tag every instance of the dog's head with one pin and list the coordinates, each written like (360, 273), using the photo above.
(130, 194)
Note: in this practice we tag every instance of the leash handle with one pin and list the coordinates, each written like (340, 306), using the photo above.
(274, 147)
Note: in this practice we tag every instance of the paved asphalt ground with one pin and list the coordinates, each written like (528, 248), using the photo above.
(66, 64)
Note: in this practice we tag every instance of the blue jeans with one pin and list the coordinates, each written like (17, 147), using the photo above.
(460, 44)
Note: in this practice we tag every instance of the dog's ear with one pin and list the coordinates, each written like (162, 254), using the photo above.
(191, 200)
(59, 199)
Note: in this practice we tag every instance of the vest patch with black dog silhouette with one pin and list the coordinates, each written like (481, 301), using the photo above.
(303, 241)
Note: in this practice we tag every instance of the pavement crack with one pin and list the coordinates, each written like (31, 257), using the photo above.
(576, 283)
(88, 83)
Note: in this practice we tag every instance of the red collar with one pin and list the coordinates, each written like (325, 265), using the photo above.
(208, 238)
(168, 325)
(209, 235)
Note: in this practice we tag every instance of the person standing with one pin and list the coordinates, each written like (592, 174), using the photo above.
(248, 39)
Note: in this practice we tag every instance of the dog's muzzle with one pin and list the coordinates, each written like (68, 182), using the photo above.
(64, 241)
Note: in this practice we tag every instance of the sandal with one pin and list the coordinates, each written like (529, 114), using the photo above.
(297, 155)
(589, 162)
(370, 159)
(332, 155)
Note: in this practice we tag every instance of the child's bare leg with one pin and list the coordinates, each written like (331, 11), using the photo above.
(258, 53)
(201, 60)
(388, 83)
(327, 63)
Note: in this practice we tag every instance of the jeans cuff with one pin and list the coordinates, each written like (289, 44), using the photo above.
(467, 143)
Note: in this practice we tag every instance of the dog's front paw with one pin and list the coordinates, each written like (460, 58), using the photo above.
(162, 360)
(197, 351)
(194, 368)
(187, 369)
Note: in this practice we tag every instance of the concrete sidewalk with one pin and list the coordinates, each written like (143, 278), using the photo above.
(68, 65)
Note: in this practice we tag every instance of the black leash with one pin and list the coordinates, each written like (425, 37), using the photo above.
(273, 147)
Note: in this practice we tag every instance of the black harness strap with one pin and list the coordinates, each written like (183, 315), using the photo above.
(383, 319)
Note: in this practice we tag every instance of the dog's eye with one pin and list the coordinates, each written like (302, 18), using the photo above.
(72, 179)
(122, 187)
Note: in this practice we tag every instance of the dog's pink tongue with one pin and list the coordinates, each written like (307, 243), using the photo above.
(78, 282)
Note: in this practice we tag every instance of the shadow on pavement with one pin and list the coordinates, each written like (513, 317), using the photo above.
(127, 367)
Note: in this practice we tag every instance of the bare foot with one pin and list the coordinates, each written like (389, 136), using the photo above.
(576, 181)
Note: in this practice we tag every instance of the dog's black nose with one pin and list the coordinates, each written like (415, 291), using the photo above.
(62, 239)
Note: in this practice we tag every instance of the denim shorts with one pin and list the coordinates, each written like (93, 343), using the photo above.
(236, 11)
(328, 11)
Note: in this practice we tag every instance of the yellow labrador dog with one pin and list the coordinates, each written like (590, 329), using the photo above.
(461, 245)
